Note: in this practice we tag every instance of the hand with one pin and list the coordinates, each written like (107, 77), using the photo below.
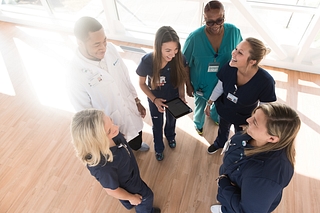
(207, 110)
(183, 98)
(159, 102)
(190, 90)
(135, 199)
(141, 109)
(224, 180)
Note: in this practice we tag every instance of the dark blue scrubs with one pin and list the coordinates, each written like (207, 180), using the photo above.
(256, 182)
(260, 88)
(165, 91)
(123, 172)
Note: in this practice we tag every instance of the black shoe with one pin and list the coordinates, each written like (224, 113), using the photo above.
(212, 149)
(199, 131)
(159, 156)
(156, 210)
(172, 143)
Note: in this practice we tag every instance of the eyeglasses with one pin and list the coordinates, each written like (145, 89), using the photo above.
(219, 21)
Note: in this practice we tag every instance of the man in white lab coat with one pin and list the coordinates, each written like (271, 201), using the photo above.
(99, 79)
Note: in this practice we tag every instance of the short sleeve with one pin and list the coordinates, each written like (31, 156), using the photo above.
(106, 175)
(188, 49)
(268, 93)
(145, 67)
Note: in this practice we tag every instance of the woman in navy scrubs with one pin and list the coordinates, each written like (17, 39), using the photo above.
(241, 87)
(165, 70)
(259, 163)
(110, 160)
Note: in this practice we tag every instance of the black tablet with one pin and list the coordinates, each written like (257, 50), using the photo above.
(177, 108)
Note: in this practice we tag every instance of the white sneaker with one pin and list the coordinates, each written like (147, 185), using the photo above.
(144, 147)
(216, 209)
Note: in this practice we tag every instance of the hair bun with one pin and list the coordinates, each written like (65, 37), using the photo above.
(268, 50)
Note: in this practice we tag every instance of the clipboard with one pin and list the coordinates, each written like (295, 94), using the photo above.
(177, 108)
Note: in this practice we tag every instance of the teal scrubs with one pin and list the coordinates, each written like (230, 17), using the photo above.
(199, 53)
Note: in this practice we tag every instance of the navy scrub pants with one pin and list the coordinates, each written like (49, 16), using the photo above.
(146, 205)
(223, 132)
(136, 142)
(157, 128)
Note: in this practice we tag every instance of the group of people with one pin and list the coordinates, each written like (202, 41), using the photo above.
(221, 71)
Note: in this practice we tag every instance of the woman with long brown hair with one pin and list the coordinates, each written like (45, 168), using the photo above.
(165, 70)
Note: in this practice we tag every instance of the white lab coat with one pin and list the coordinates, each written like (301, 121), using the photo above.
(90, 86)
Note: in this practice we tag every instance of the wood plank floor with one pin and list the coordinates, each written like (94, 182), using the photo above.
(38, 168)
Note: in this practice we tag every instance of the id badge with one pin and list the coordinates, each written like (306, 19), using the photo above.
(200, 93)
(162, 81)
(232, 98)
(213, 67)
(95, 80)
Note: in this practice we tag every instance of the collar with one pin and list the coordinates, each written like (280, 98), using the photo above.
(101, 64)
(95, 63)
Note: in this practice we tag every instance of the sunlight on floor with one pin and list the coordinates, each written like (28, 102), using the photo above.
(307, 148)
(282, 94)
(309, 110)
(307, 151)
(6, 86)
(279, 76)
(308, 84)
(46, 74)
(41, 34)
(185, 124)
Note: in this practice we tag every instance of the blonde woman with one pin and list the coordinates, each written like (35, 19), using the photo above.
(107, 155)
(259, 163)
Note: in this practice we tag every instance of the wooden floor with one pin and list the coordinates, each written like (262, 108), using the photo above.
(38, 168)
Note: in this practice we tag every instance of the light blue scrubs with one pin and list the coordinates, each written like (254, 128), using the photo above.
(199, 53)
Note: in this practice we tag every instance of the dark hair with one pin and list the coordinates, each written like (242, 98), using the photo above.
(211, 5)
(85, 25)
(166, 34)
